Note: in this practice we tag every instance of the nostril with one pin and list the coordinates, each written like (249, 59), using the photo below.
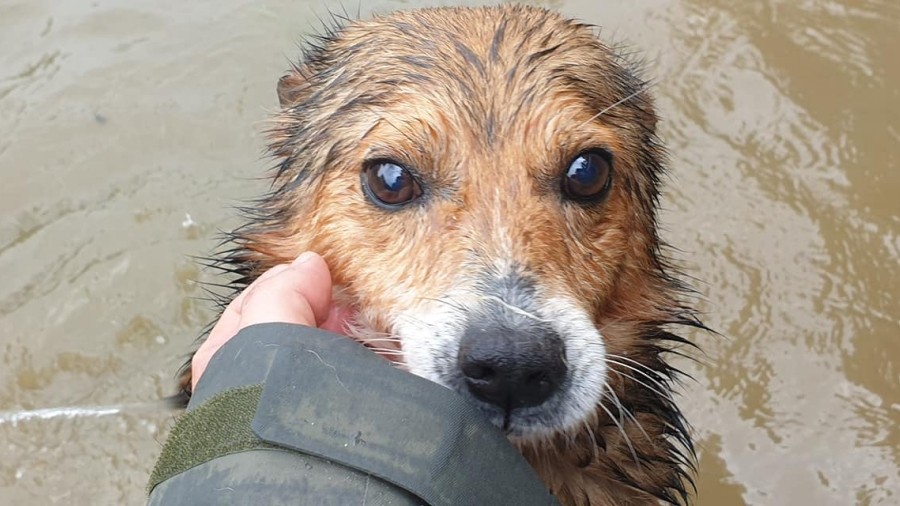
(476, 371)
(513, 379)
(538, 379)
(511, 367)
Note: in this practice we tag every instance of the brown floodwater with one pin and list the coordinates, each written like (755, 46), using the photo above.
(128, 128)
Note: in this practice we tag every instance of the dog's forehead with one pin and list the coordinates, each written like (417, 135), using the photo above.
(508, 56)
(445, 79)
(449, 88)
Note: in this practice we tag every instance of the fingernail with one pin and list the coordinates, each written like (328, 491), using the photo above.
(302, 259)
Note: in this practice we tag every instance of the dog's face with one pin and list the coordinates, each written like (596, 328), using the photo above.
(483, 186)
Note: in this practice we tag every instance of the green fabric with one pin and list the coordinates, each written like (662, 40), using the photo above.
(220, 426)
(345, 419)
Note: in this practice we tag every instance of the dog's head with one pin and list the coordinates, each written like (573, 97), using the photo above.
(482, 183)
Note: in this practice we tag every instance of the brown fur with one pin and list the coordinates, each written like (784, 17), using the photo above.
(490, 105)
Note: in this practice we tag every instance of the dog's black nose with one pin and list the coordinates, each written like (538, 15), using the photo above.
(511, 361)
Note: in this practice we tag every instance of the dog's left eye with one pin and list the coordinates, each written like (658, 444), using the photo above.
(589, 175)
(389, 183)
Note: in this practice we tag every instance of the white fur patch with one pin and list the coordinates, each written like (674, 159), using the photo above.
(586, 356)
(431, 334)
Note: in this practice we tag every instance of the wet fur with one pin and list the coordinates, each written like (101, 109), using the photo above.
(495, 77)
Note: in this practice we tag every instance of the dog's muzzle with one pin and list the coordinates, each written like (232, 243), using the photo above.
(511, 362)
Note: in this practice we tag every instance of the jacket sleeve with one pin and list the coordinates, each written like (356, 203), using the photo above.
(286, 414)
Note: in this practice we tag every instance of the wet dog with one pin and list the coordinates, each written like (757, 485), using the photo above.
(483, 184)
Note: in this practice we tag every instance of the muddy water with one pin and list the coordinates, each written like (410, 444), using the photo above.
(127, 129)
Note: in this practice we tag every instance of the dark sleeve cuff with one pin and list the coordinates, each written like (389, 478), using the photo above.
(328, 397)
(247, 358)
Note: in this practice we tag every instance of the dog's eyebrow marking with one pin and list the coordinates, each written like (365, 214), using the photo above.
(526, 101)
(422, 62)
(489, 123)
(494, 54)
(526, 37)
(469, 56)
(533, 58)
(511, 74)
(406, 28)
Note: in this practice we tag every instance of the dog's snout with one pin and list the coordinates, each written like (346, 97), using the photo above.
(512, 366)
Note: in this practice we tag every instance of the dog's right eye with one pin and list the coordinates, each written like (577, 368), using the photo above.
(589, 176)
(389, 183)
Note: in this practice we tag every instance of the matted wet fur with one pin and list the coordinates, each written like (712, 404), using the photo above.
(489, 106)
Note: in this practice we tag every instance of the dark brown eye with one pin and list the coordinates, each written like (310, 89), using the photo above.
(389, 183)
(589, 175)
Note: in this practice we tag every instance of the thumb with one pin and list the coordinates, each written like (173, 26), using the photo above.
(300, 294)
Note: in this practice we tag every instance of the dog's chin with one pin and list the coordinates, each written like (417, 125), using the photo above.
(520, 423)
(556, 415)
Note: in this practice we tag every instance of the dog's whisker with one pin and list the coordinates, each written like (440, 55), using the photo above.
(382, 117)
(633, 361)
(643, 369)
(660, 389)
(657, 391)
(399, 365)
(390, 351)
(590, 431)
(624, 434)
(388, 338)
(628, 413)
(514, 309)
(442, 300)
(619, 102)
(416, 321)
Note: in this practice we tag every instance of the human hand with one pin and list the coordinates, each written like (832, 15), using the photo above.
(298, 292)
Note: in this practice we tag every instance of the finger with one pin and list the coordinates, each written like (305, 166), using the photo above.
(239, 300)
(228, 322)
(300, 294)
(225, 328)
(317, 289)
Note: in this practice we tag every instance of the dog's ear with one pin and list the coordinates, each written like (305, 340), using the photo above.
(291, 87)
